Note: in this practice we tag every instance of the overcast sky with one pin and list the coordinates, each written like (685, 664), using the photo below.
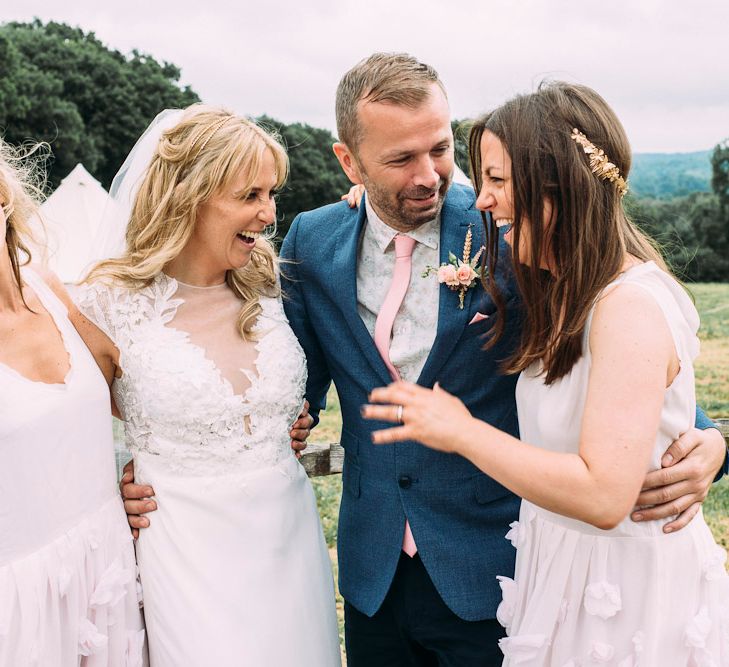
(662, 64)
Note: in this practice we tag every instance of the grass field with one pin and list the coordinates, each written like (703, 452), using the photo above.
(712, 386)
(712, 366)
(712, 391)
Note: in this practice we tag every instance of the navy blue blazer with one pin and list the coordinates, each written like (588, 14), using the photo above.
(459, 516)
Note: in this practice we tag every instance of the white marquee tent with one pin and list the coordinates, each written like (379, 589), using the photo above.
(70, 219)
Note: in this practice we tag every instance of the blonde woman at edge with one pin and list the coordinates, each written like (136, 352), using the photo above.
(209, 379)
(606, 384)
(67, 574)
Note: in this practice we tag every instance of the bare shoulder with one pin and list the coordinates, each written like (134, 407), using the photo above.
(54, 282)
(626, 296)
(629, 313)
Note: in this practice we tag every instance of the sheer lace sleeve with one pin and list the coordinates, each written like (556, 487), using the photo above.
(118, 310)
(96, 301)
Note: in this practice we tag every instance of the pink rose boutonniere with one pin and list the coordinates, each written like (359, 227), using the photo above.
(459, 274)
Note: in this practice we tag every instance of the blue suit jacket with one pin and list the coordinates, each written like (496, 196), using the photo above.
(458, 515)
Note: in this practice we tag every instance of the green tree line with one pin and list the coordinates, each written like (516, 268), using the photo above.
(693, 230)
(90, 103)
(62, 85)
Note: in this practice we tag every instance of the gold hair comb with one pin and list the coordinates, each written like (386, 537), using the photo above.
(599, 162)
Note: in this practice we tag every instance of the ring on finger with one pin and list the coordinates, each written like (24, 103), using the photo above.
(399, 414)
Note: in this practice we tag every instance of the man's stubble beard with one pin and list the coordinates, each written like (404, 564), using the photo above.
(394, 213)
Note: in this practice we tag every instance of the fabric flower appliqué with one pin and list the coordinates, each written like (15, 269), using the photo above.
(602, 599)
(457, 274)
(697, 633)
(522, 649)
(112, 586)
(507, 606)
(601, 652)
(633, 660)
(90, 639)
(514, 535)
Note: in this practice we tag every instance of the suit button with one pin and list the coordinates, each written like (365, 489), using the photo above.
(405, 482)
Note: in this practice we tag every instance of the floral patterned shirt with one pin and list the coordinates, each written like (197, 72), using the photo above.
(413, 332)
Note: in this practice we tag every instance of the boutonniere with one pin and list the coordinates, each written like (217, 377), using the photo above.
(459, 274)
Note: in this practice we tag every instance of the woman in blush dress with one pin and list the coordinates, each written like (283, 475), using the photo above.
(606, 384)
(68, 592)
(209, 378)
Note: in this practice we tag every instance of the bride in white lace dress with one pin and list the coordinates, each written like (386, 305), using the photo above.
(607, 384)
(209, 380)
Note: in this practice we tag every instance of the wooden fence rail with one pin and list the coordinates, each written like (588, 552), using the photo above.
(326, 459)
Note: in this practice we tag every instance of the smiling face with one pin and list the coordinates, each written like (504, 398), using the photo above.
(497, 198)
(497, 194)
(404, 159)
(230, 221)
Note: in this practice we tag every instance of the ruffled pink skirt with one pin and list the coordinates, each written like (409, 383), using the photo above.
(75, 601)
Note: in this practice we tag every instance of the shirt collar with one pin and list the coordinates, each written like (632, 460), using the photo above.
(428, 233)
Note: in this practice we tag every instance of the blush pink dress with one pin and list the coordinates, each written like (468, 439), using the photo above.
(68, 593)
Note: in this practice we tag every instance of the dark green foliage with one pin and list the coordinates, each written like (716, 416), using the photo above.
(668, 175)
(690, 232)
(315, 177)
(61, 85)
(461, 129)
(720, 175)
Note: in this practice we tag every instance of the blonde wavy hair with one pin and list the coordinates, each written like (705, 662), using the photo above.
(22, 180)
(193, 161)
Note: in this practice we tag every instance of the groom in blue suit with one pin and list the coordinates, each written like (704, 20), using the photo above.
(421, 533)
(436, 604)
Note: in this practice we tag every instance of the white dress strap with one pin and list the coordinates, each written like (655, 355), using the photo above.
(45, 294)
(679, 311)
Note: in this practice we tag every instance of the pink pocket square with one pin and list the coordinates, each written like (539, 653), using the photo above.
(478, 317)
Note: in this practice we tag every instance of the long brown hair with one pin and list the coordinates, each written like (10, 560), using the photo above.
(590, 234)
(193, 161)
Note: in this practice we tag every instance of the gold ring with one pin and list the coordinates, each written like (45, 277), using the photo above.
(399, 414)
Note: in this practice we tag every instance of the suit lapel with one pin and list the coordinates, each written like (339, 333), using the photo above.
(344, 269)
(451, 319)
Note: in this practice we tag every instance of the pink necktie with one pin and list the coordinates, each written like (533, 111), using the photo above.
(383, 329)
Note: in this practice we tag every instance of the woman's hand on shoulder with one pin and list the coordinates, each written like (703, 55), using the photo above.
(354, 196)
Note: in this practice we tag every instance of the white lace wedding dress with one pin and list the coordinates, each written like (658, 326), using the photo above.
(632, 596)
(234, 567)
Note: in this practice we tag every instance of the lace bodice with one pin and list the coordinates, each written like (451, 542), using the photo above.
(174, 400)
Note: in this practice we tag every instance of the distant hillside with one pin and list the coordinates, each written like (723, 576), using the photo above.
(667, 175)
